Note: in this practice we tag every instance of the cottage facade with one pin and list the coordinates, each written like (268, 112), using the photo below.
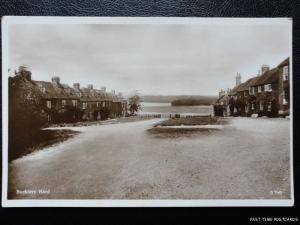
(284, 87)
(266, 94)
(63, 103)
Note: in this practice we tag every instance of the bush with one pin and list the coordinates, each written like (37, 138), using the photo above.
(69, 114)
(104, 113)
(26, 114)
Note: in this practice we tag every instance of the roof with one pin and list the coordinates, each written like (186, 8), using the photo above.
(245, 86)
(101, 95)
(51, 90)
(220, 98)
(88, 95)
(271, 76)
(234, 90)
(284, 62)
(61, 91)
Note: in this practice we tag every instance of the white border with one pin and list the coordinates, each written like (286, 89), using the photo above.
(6, 21)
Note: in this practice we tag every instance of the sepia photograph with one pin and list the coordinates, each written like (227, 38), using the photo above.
(119, 111)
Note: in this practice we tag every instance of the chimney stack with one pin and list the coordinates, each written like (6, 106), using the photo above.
(221, 93)
(55, 80)
(76, 86)
(238, 79)
(103, 88)
(24, 71)
(113, 91)
(264, 68)
(90, 86)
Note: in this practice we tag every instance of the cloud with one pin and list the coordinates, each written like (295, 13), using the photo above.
(159, 59)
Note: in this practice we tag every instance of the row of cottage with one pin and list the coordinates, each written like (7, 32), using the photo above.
(266, 94)
(77, 102)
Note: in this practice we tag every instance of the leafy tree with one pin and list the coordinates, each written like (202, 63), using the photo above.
(134, 103)
(26, 113)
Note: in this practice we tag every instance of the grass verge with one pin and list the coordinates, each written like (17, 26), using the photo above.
(42, 139)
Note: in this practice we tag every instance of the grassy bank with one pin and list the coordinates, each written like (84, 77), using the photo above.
(203, 120)
(164, 129)
(44, 138)
(100, 122)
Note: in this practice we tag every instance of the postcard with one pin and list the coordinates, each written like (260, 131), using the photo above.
(156, 112)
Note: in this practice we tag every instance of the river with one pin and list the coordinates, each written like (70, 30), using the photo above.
(158, 107)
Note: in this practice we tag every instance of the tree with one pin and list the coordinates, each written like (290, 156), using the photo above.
(26, 113)
(134, 103)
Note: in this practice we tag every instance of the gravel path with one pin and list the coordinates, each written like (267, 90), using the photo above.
(248, 159)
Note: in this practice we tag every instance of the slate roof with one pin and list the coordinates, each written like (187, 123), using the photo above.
(60, 91)
(268, 77)
(88, 95)
(284, 62)
(101, 95)
(220, 98)
(245, 86)
(234, 90)
(49, 90)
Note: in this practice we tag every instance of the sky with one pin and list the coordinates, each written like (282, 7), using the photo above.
(155, 59)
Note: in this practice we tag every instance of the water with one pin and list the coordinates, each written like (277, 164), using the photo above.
(160, 108)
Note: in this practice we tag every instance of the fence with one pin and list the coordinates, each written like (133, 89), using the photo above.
(176, 115)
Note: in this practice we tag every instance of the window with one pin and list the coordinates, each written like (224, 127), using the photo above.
(285, 98)
(74, 103)
(98, 104)
(103, 104)
(285, 73)
(84, 105)
(261, 106)
(259, 89)
(48, 104)
(63, 103)
(269, 106)
(268, 87)
(251, 90)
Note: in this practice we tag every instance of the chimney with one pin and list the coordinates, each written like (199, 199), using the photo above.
(76, 86)
(120, 93)
(221, 93)
(24, 71)
(90, 86)
(238, 79)
(55, 80)
(258, 73)
(264, 68)
(113, 91)
(103, 88)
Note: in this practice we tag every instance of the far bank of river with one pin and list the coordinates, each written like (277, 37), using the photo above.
(158, 107)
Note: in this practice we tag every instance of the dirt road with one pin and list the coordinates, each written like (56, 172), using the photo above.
(249, 159)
